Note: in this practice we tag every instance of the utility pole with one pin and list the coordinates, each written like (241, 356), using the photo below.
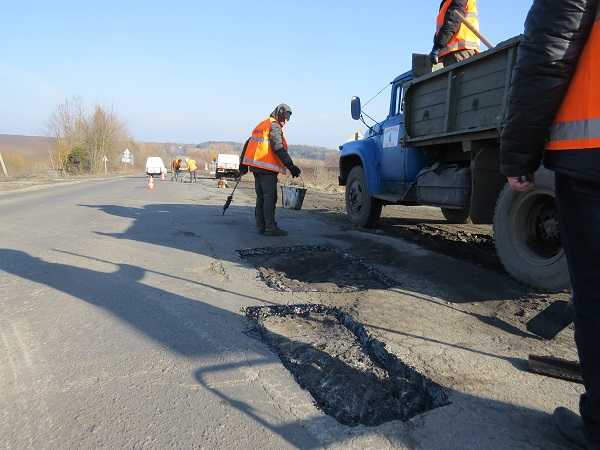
(3, 166)
(105, 160)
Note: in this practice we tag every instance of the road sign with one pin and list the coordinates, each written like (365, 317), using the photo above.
(127, 157)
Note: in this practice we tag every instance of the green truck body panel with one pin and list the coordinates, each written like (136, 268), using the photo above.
(466, 101)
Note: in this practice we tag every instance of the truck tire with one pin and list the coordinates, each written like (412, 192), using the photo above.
(362, 209)
(527, 236)
(459, 216)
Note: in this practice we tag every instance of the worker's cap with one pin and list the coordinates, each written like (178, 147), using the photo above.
(282, 112)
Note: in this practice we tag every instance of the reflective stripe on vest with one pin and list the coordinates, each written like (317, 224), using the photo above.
(257, 139)
(263, 165)
(259, 152)
(464, 39)
(577, 124)
(460, 45)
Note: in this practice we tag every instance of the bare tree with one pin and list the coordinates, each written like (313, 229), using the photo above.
(83, 140)
(66, 125)
(104, 134)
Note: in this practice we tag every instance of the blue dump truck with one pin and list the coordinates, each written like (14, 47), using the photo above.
(439, 146)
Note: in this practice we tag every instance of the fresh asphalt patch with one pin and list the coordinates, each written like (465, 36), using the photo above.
(314, 269)
(350, 375)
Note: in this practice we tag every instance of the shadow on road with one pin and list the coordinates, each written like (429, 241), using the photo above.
(160, 224)
(172, 320)
(194, 228)
(174, 277)
(476, 423)
(194, 328)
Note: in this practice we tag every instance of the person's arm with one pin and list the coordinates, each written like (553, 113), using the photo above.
(555, 33)
(243, 169)
(452, 23)
(276, 138)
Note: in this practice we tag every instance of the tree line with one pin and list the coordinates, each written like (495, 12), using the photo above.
(83, 138)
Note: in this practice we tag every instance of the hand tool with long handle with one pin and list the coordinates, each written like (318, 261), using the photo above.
(230, 198)
(475, 31)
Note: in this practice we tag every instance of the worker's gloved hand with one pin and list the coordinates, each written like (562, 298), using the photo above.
(434, 56)
(295, 171)
(523, 183)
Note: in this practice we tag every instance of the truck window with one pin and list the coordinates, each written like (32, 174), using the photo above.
(396, 107)
(399, 100)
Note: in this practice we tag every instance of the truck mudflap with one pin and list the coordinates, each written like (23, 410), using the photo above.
(448, 186)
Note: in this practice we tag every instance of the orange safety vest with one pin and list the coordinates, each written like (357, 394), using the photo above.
(260, 153)
(577, 124)
(464, 39)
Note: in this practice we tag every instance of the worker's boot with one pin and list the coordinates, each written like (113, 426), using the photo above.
(275, 232)
(571, 427)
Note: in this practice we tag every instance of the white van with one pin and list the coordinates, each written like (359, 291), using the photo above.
(155, 166)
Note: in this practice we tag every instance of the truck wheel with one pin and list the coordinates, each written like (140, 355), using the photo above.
(362, 209)
(456, 215)
(527, 236)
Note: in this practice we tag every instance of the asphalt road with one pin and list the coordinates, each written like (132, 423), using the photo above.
(121, 328)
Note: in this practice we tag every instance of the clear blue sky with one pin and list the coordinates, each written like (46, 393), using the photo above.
(189, 71)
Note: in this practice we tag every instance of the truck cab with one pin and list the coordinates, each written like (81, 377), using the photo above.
(380, 169)
(439, 146)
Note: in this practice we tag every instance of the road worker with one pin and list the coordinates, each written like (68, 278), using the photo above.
(453, 41)
(554, 115)
(192, 168)
(266, 155)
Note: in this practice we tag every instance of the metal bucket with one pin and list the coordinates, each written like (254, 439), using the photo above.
(292, 197)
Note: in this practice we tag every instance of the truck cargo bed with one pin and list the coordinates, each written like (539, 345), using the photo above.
(465, 101)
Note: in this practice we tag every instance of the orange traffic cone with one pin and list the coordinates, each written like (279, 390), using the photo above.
(162, 176)
(150, 183)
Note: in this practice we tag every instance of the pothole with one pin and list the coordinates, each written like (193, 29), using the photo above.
(350, 375)
(314, 269)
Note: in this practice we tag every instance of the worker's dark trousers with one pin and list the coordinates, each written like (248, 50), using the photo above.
(266, 200)
(579, 215)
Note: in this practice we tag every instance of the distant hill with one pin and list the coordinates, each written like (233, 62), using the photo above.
(296, 151)
(311, 152)
(38, 147)
(28, 146)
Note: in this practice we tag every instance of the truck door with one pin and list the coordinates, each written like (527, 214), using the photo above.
(392, 157)
(399, 165)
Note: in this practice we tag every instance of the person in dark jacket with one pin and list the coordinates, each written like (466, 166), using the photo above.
(553, 115)
(454, 42)
(266, 163)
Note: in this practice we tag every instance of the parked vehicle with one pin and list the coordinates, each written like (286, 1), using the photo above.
(228, 166)
(155, 166)
(439, 146)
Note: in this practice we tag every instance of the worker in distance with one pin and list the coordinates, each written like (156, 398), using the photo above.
(454, 41)
(266, 155)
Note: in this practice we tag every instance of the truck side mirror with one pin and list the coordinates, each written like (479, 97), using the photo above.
(355, 108)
